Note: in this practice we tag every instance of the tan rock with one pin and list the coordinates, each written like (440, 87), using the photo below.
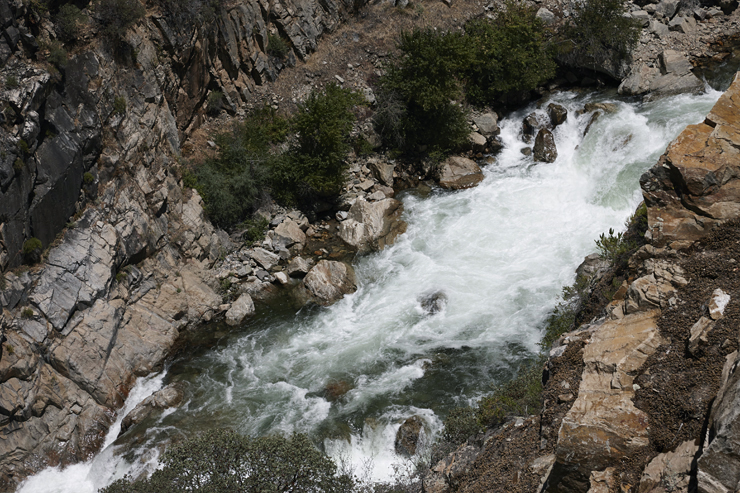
(602, 481)
(372, 225)
(700, 165)
(328, 281)
(603, 425)
(458, 172)
(669, 471)
(242, 308)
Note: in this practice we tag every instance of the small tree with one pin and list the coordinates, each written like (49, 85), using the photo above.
(315, 167)
(69, 22)
(117, 16)
(425, 78)
(600, 31)
(512, 54)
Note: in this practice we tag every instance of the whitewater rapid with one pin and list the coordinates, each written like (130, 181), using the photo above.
(500, 253)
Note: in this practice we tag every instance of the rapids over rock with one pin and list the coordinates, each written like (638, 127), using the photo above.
(457, 304)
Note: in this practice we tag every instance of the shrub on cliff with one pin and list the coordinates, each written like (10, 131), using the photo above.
(31, 251)
(117, 16)
(599, 31)
(234, 182)
(69, 22)
(314, 168)
(222, 460)
(512, 54)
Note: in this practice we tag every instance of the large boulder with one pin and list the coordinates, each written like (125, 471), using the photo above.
(328, 281)
(544, 147)
(242, 308)
(693, 186)
(372, 225)
(603, 426)
(287, 234)
(458, 172)
(557, 113)
(487, 124)
(673, 77)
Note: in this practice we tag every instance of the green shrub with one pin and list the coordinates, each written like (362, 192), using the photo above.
(27, 313)
(255, 229)
(460, 424)
(599, 30)
(117, 16)
(235, 181)
(414, 97)
(18, 165)
(121, 276)
(520, 396)
(88, 178)
(277, 46)
(221, 460)
(23, 146)
(511, 54)
(119, 105)
(32, 250)
(214, 101)
(69, 22)
(11, 82)
(314, 168)
(57, 54)
(613, 246)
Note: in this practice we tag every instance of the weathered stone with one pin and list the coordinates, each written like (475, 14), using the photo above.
(603, 425)
(458, 172)
(407, 436)
(298, 267)
(669, 471)
(667, 7)
(546, 16)
(602, 481)
(557, 113)
(642, 17)
(690, 189)
(287, 234)
(718, 303)
(328, 281)
(544, 147)
(242, 308)
(372, 225)
(530, 124)
(592, 266)
(477, 142)
(487, 124)
(264, 258)
(170, 396)
(382, 171)
(639, 79)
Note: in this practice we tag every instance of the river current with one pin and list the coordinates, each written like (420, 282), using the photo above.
(500, 253)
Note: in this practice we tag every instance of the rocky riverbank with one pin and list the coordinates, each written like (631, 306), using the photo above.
(643, 397)
(89, 167)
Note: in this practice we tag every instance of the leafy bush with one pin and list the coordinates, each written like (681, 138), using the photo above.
(27, 313)
(32, 250)
(460, 424)
(69, 21)
(277, 46)
(255, 228)
(119, 105)
(57, 54)
(222, 460)
(314, 167)
(117, 16)
(415, 96)
(511, 54)
(233, 184)
(520, 396)
(11, 82)
(600, 31)
(18, 165)
(88, 178)
(214, 101)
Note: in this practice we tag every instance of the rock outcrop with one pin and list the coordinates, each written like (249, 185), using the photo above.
(328, 281)
(372, 225)
(694, 187)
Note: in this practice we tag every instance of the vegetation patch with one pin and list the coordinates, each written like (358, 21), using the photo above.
(31, 251)
(222, 460)
(117, 16)
(277, 46)
(69, 22)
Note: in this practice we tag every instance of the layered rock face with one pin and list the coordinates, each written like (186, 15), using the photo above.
(86, 166)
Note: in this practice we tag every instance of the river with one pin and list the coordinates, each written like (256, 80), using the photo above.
(500, 253)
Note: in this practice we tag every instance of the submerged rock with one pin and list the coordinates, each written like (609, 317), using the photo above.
(170, 396)
(557, 113)
(433, 303)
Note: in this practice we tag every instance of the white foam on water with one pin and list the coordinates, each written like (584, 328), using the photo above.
(500, 253)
